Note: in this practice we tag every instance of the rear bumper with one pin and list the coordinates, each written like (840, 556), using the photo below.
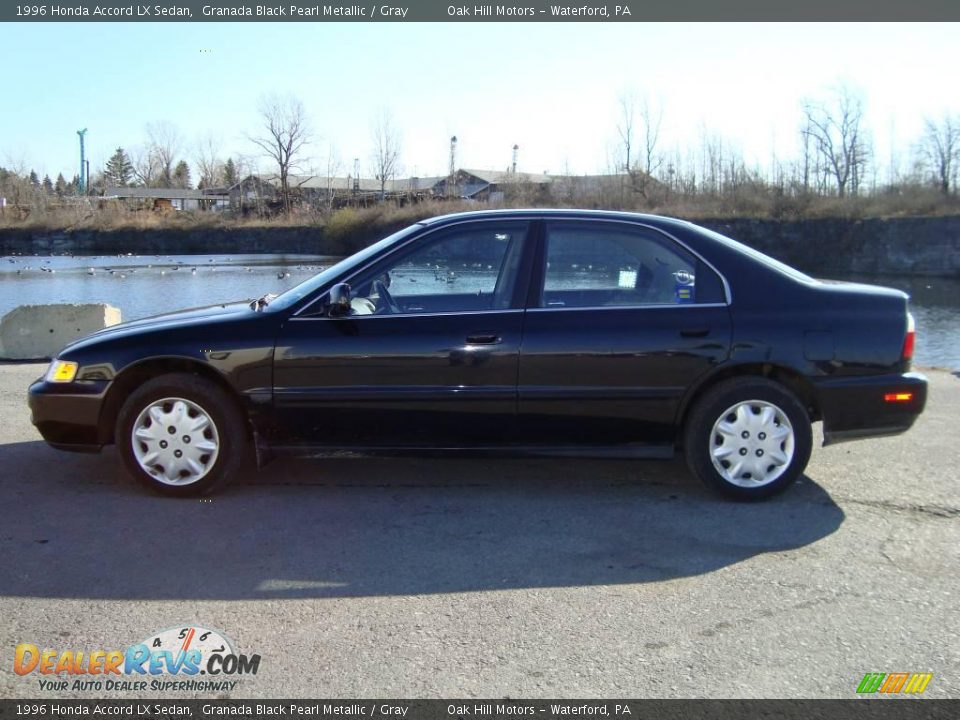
(856, 407)
(68, 415)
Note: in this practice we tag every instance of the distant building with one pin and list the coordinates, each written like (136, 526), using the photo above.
(262, 192)
(327, 191)
(171, 198)
(491, 185)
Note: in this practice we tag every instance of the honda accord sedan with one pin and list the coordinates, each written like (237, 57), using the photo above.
(536, 332)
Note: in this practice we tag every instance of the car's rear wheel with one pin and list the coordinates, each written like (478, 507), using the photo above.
(748, 438)
(181, 435)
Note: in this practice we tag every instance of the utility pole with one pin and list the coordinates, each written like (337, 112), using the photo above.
(82, 187)
(453, 165)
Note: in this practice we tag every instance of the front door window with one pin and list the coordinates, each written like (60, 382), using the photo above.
(460, 270)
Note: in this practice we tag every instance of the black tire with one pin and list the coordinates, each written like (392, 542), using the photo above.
(225, 430)
(756, 394)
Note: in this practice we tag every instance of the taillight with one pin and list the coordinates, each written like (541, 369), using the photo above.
(910, 340)
(898, 397)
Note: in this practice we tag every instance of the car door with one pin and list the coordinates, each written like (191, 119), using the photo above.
(622, 319)
(428, 355)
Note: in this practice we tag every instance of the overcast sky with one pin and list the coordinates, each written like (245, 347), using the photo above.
(553, 89)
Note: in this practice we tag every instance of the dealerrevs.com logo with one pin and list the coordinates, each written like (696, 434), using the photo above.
(894, 683)
(186, 658)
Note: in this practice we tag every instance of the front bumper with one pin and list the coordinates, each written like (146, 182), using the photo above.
(68, 414)
(855, 407)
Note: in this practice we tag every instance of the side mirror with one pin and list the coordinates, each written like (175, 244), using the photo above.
(339, 300)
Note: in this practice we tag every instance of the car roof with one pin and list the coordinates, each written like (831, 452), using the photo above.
(556, 213)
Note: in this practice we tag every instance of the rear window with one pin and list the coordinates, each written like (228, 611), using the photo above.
(770, 262)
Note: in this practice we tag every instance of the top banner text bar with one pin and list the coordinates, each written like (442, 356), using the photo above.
(445, 11)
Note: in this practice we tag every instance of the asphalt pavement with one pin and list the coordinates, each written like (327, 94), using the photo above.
(401, 577)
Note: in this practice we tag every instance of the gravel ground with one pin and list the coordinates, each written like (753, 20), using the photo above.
(491, 578)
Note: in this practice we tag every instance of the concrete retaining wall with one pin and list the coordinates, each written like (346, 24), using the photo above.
(922, 246)
(199, 241)
(32, 332)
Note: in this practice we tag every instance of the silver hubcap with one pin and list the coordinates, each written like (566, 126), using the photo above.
(175, 441)
(752, 443)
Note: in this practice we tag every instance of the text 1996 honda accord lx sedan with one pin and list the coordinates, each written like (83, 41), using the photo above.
(539, 331)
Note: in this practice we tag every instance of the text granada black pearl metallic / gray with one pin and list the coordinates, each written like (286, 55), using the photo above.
(523, 331)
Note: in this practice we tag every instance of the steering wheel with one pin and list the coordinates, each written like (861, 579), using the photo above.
(386, 298)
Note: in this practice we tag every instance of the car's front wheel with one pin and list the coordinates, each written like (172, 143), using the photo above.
(748, 438)
(181, 435)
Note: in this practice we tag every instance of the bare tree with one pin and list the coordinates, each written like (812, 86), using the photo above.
(807, 162)
(386, 150)
(940, 147)
(711, 161)
(840, 139)
(207, 161)
(164, 144)
(651, 117)
(244, 168)
(146, 166)
(625, 130)
(286, 131)
(333, 167)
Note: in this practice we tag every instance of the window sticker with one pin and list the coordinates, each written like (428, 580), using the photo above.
(683, 288)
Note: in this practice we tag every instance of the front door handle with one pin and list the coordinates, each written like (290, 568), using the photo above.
(695, 332)
(483, 339)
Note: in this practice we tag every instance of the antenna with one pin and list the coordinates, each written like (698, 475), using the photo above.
(513, 166)
(82, 187)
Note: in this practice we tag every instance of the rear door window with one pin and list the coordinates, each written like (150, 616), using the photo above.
(600, 264)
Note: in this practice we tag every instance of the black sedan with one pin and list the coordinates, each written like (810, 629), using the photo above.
(529, 332)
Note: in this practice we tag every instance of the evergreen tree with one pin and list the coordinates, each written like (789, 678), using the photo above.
(60, 186)
(47, 184)
(181, 175)
(119, 169)
(34, 179)
(230, 173)
(74, 187)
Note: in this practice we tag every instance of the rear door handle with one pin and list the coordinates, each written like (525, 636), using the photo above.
(695, 332)
(483, 339)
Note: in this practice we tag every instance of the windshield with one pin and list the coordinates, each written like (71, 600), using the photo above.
(310, 285)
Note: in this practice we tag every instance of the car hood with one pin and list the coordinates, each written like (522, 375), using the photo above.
(179, 318)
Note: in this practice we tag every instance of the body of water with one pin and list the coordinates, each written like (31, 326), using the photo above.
(143, 285)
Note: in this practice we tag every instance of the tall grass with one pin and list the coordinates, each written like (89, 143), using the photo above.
(345, 227)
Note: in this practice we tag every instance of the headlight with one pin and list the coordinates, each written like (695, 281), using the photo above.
(61, 371)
